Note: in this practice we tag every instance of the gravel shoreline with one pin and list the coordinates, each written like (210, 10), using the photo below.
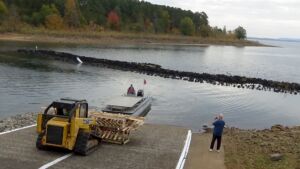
(277, 147)
(17, 121)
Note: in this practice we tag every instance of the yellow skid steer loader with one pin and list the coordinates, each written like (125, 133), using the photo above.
(65, 124)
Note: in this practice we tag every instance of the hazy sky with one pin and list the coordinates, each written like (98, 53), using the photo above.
(261, 18)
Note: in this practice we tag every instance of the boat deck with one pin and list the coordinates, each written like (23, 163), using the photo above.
(150, 147)
(124, 101)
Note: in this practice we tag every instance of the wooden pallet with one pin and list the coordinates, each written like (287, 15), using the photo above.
(116, 128)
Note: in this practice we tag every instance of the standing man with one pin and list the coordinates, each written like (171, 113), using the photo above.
(217, 133)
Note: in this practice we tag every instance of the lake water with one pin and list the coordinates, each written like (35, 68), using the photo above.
(26, 84)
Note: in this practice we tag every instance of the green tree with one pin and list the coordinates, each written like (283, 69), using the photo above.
(163, 22)
(224, 30)
(203, 18)
(3, 10)
(48, 10)
(39, 18)
(139, 25)
(60, 5)
(205, 31)
(148, 25)
(36, 18)
(201, 21)
(93, 11)
(240, 33)
(187, 26)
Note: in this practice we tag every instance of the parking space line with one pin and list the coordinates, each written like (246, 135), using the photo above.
(55, 161)
(17, 129)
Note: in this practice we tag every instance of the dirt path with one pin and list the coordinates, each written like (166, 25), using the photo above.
(200, 158)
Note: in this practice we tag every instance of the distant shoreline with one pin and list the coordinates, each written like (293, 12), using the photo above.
(117, 38)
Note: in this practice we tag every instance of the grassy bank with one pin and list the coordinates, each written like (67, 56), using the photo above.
(249, 149)
(114, 38)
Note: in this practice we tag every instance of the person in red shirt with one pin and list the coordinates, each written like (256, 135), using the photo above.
(131, 90)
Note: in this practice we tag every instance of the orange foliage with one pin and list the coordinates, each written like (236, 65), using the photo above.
(113, 20)
(54, 21)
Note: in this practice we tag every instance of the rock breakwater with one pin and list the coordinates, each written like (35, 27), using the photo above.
(157, 70)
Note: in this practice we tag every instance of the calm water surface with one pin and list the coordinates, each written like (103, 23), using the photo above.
(27, 84)
(281, 63)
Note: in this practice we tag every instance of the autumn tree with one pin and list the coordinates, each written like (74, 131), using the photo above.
(39, 17)
(122, 15)
(71, 17)
(240, 33)
(54, 21)
(113, 20)
(187, 26)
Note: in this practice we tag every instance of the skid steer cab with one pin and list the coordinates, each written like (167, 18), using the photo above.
(65, 124)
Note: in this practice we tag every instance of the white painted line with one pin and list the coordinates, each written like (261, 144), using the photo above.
(17, 129)
(48, 164)
(185, 151)
(55, 161)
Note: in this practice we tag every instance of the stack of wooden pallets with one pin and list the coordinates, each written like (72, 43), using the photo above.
(116, 128)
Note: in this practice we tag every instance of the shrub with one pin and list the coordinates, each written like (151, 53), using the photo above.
(240, 33)
(187, 26)
(54, 21)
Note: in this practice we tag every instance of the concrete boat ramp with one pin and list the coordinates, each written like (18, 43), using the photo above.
(150, 147)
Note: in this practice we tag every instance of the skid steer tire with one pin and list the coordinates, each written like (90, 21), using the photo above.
(39, 144)
(81, 145)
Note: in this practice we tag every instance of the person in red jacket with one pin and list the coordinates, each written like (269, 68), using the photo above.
(131, 90)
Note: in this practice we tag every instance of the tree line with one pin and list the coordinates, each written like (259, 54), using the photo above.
(117, 15)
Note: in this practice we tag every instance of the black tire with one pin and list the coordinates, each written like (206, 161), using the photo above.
(81, 143)
(38, 143)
